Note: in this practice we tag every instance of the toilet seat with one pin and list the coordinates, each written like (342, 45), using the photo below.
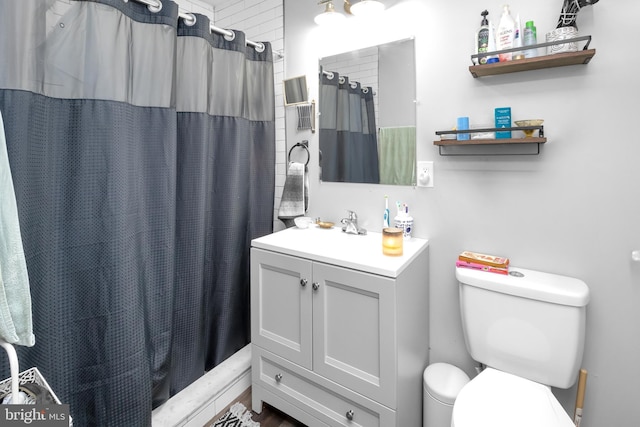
(499, 399)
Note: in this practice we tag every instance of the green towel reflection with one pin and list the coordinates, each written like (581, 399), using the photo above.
(397, 152)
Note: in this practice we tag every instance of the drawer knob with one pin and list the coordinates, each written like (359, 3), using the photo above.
(278, 378)
(350, 414)
(303, 282)
(316, 286)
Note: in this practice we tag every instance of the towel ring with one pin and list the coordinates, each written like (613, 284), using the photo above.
(303, 145)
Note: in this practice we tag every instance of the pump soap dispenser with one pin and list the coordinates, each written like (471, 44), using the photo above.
(482, 37)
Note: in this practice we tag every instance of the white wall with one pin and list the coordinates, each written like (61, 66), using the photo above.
(195, 6)
(572, 210)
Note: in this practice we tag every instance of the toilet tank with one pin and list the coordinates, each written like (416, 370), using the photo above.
(527, 323)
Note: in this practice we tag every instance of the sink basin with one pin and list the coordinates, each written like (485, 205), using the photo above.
(333, 246)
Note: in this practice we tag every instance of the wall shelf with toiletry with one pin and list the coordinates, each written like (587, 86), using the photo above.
(536, 63)
(449, 139)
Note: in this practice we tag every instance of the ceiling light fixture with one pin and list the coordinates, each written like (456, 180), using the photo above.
(329, 16)
(364, 7)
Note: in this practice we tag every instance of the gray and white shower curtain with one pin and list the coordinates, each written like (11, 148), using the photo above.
(347, 131)
(143, 158)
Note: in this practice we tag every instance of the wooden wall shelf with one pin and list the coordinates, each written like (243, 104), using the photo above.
(505, 142)
(537, 63)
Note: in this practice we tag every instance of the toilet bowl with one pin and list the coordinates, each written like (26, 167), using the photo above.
(499, 399)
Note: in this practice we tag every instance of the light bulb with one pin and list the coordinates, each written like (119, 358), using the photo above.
(329, 16)
(367, 7)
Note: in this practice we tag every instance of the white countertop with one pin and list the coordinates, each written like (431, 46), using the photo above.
(333, 246)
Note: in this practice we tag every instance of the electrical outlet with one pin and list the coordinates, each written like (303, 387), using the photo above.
(424, 174)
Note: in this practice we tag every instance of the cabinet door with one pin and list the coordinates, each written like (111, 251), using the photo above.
(354, 331)
(281, 296)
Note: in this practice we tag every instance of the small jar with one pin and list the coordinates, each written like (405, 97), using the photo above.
(405, 223)
(392, 241)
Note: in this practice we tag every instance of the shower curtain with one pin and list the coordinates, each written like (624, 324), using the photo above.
(347, 131)
(143, 157)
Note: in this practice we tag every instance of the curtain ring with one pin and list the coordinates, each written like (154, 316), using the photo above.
(300, 144)
(230, 37)
(259, 47)
(155, 9)
(191, 20)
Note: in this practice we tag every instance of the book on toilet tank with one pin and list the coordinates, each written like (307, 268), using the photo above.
(482, 267)
(478, 258)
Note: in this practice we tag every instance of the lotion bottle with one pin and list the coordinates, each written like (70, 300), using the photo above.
(506, 33)
(482, 37)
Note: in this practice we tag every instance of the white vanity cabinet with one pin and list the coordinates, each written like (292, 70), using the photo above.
(339, 331)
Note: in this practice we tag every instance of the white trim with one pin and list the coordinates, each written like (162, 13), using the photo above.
(208, 395)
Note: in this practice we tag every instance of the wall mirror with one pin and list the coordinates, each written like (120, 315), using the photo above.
(295, 90)
(367, 115)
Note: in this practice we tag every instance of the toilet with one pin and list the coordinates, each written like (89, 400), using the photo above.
(528, 329)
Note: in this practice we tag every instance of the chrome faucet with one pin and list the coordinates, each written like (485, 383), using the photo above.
(351, 224)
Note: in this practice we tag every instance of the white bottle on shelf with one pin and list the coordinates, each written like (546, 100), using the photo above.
(506, 33)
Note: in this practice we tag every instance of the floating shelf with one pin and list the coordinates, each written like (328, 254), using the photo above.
(532, 140)
(536, 63)
(540, 139)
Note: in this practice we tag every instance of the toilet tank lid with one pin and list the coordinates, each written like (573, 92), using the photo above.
(530, 284)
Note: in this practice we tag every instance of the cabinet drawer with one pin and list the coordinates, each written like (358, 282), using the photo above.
(323, 399)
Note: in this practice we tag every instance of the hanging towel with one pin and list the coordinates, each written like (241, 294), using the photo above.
(295, 195)
(15, 297)
(397, 155)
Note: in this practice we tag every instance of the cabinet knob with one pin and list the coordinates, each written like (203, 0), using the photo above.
(315, 286)
(278, 378)
(303, 282)
(350, 414)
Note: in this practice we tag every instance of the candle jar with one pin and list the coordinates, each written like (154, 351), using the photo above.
(392, 241)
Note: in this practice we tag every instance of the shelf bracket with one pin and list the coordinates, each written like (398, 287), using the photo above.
(477, 154)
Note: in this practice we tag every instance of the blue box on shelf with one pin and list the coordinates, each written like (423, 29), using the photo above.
(503, 120)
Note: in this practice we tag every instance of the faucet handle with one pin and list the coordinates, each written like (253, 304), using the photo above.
(352, 215)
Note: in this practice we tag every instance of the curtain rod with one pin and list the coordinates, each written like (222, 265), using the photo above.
(330, 76)
(156, 6)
